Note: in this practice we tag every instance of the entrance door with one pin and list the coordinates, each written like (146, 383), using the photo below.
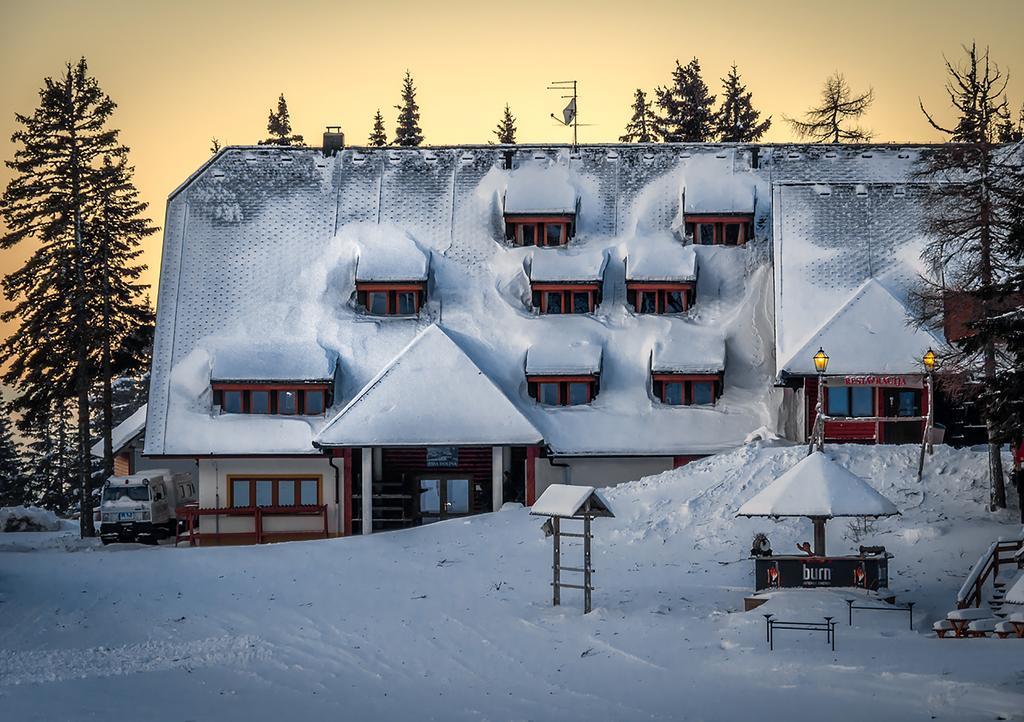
(443, 497)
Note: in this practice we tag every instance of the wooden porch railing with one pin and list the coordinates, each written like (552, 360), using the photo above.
(1002, 551)
(191, 515)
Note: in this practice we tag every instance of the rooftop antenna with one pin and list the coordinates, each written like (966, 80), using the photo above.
(569, 115)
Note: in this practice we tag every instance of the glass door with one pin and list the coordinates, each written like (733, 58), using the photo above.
(443, 497)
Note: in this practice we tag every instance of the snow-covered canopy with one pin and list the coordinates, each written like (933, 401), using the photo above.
(568, 265)
(386, 253)
(540, 189)
(565, 501)
(124, 433)
(660, 258)
(711, 187)
(430, 394)
(701, 351)
(818, 487)
(559, 357)
(265, 360)
(871, 333)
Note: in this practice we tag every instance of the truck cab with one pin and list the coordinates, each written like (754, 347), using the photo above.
(142, 507)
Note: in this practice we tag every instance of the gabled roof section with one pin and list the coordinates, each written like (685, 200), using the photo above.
(711, 187)
(870, 333)
(124, 433)
(565, 501)
(280, 360)
(431, 394)
(542, 190)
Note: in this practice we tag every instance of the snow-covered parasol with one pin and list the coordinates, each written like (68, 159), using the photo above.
(819, 488)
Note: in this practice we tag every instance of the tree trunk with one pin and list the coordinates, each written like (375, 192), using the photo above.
(105, 372)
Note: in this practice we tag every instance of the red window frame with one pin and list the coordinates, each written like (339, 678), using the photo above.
(273, 389)
(275, 482)
(391, 290)
(634, 289)
(534, 382)
(745, 223)
(660, 380)
(540, 297)
(539, 223)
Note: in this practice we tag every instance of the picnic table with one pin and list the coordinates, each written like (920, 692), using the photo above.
(961, 618)
(1017, 620)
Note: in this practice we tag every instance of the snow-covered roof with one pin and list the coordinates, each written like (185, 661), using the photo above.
(561, 357)
(871, 333)
(124, 433)
(430, 394)
(711, 186)
(701, 351)
(563, 500)
(1015, 595)
(540, 189)
(817, 486)
(386, 253)
(660, 258)
(244, 359)
(826, 248)
(568, 265)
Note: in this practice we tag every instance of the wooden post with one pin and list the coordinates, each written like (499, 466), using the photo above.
(586, 563)
(346, 492)
(531, 475)
(497, 478)
(556, 598)
(367, 491)
(819, 536)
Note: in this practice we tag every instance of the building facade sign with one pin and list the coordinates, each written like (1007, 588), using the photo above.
(889, 381)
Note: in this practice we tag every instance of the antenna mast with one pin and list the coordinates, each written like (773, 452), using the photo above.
(569, 114)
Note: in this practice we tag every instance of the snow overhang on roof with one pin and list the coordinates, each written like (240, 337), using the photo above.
(431, 394)
(712, 188)
(660, 259)
(124, 433)
(562, 358)
(386, 253)
(818, 487)
(566, 501)
(568, 265)
(284, 360)
(539, 190)
(694, 351)
(872, 333)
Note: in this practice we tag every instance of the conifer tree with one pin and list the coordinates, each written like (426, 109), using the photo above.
(408, 132)
(58, 173)
(13, 484)
(1010, 131)
(968, 212)
(279, 126)
(506, 130)
(827, 122)
(686, 106)
(737, 121)
(378, 137)
(642, 127)
(214, 146)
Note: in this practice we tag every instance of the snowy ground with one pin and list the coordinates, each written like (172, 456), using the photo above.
(454, 621)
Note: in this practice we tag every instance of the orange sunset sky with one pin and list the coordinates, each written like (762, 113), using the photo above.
(182, 72)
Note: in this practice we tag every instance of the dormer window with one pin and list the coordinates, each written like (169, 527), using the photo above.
(392, 298)
(661, 276)
(562, 390)
(563, 374)
(306, 399)
(554, 298)
(566, 281)
(731, 230)
(539, 231)
(660, 297)
(687, 389)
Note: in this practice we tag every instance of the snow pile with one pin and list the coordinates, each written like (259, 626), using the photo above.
(27, 518)
(539, 189)
(702, 351)
(568, 265)
(565, 501)
(711, 187)
(660, 258)
(563, 358)
(123, 433)
(387, 253)
(246, 359)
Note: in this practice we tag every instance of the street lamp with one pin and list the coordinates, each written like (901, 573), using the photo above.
(821, 360)
(818, 434)
(930, 361)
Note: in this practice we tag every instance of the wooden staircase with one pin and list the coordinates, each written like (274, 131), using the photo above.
(394, 506)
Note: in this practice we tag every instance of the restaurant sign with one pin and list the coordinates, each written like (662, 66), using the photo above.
(798, 571)
(886, 380)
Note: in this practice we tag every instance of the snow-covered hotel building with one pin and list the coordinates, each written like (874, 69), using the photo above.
(406, 335)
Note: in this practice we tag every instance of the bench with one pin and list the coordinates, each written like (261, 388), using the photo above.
(1005, 629)
(961, 618)
(982, 627)
(942, 628)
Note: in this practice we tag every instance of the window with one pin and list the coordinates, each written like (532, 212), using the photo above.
(553, 233)
(273, 492)
(540, 231)
(681, 390)
(719, 230)
(557, 299)
(562, 390)
(850, 401)
(526, 234)
(309, 400)
(902, 402)
(660, 298)
(399, 299)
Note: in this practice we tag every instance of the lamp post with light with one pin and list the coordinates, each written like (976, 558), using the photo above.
(818, 434)
(929, 360)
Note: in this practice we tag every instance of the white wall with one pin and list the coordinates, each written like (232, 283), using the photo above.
(213, 492)
(598, 471)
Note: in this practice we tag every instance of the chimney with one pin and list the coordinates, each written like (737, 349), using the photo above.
(334, 139)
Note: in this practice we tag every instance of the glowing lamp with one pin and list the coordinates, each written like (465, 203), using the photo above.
(821, 361)
(929, 360)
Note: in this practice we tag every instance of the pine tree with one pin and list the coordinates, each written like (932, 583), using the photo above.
(59, 172)
(378, 137)
(506, 130)
(968, 210)
(737, 121)
(13, 484)
(642, 127)
(123, 323)
(279, 126)
(686, 107)
(1011, 132)
(408, 132)
(827, 122)
(214, 146)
